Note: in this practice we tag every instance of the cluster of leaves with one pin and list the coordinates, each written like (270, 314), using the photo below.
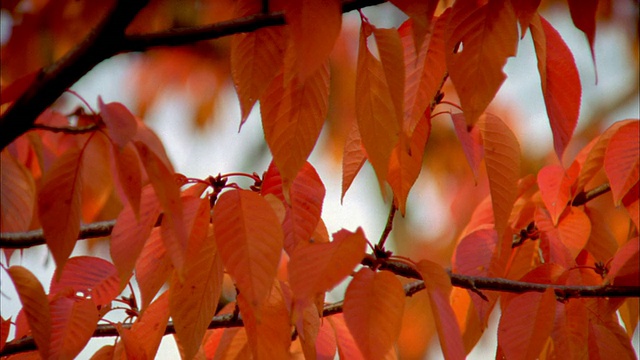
(269, 239)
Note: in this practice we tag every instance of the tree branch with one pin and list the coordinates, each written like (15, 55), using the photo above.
(109, 39)
(585, 196)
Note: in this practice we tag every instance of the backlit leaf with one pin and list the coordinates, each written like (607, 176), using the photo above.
(605, 342)
(292, 116)
(150, 327)
(126, 164)
(352, 159)
(120, 122)
(347, 347)
(486, 37)
(560, 81)
(4, 331)
(193, 302)
(375, 111)
(392, 59)
(570, 330)
(622, 160)
(326, 345)
(525, 10)
(95, 278)
(59, 205)
(35, 306)
(555, 188)
(625, 268)
(153, 268)
(73, 321)
(583, 14)
(314, 27)
(129, 235)
(526, 323)
(97, 180)
(315, 268)
(471, 142)
(17, 194)
(421, 13)
(373, 306)
(502, 159)
(438, 286)
(255, 58)
(249, 239)
(572, 233)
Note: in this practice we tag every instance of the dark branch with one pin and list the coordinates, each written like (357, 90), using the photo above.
(67, 129)
(586, 196)
(28, 239)
(109, 39)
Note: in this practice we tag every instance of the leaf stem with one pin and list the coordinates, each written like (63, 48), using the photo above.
(388, 227)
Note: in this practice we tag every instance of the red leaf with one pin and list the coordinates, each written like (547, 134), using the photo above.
(392, 59)
(421, 13)
(292, 116)
(373, 306)
(502, 158)
(95, 278)
(4, 331)
(571, 233)
(438, 286)
(153, 268)
(316, 268)
(583, 14)
(376, 114)
(609, 342)
(13, 91)
(560, 81)
(255, 58)
(622, 160)
(525, 10)
(126, 164)
(555, 188)
(72, 324)
(488, 35)
(625, 267)
(526, 323)
(120, 122)
(347, 347)
(129, 235)
(35, 305)
(97, 180)
(570, 330)
(471, 141)
(249, 239)
(17, 195)
(352, 159)
(150, 327)
(59, 205)
(311, 45)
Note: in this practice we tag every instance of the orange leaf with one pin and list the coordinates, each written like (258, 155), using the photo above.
(193, 302)
(249, 239)
(120, 122)
(153, 268)
(560, 81)
(624, 267)
(609, 342)
(129, 235)
(97, 180)
(233, 344)
(502, 158)
(126, 164)
(526, 323)
(525, 10)
(421, 13)
(314, 27)
(406, 161)
(570, 330)
(269, 333)
(17, 194)
(73, 321)
(326, 345)
(59, 205)
(347, 347)
(392, 59)
(35, 306)
(621, 160)
(373, 306)
(486, 37)
(471, 142)
(292, 116)
(438, 286)
(352, 159)
(255, 58)
(316, 268)
(133, 348)
(583, 14)
(150, 327)
(571, 234)
(377, 121)
(95, 278)
(555, 188)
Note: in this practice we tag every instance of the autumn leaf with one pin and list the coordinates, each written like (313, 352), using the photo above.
(471, 141)
(438, 286)
(624, 266)
(526, 323)
(249, 239)
(35, 306)
(97, 279)
(59, 205)
(502, 159)
(621, 160)
(525, 10)
(255, 58)
(119, 120)
(555, 188)
(315, 268)
(571, 234)
(97, 180)
(150, 326)
(373, 306)
(325, 344)
(73, 321)
(311, 45)
(583, 14)
(126, 164)
(421, 14)
(570, 330)
(129, 235)
(609, 341)
(153, 268)
(347, 347)
(17, 194)
(392, 59)
(292, 116)
(560, 81)
(4, 331)
(485, 37)
(375, 111)
(352, 159)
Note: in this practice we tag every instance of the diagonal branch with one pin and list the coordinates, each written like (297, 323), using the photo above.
(109, 39)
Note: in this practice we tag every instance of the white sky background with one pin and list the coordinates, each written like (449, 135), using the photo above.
(220, 148)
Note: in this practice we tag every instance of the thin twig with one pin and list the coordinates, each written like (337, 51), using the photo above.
(585, 196)
(67, 129)
(388, 227)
